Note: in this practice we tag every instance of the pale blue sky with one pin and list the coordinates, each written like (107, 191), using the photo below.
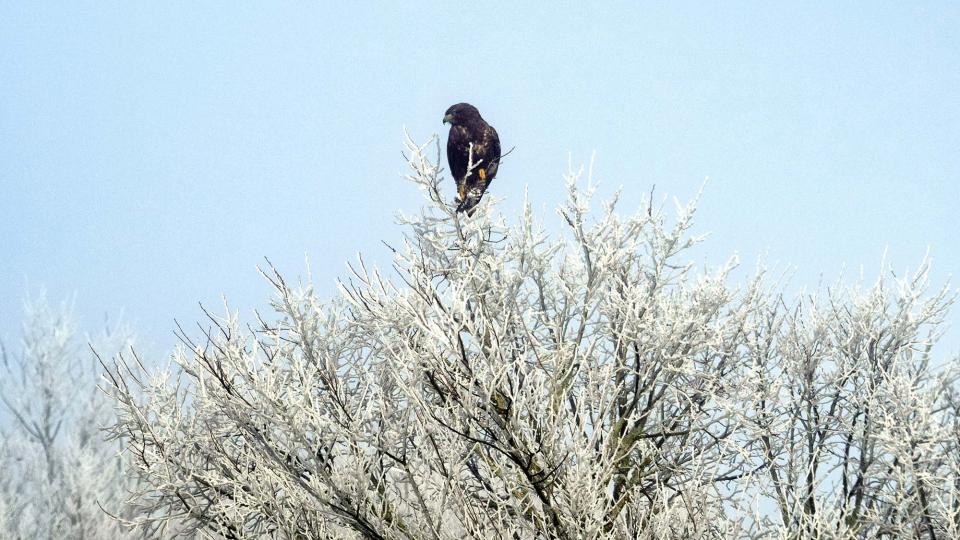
(152, 154)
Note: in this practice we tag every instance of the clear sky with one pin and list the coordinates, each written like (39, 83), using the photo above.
(152, 154)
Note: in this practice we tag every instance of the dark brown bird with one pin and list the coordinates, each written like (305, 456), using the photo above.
(466, 127)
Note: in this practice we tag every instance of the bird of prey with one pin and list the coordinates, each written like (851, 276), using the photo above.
(466, 127)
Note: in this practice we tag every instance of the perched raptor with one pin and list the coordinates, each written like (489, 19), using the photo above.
(466, 127)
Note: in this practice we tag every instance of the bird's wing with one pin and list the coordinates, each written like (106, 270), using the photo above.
(491, 143)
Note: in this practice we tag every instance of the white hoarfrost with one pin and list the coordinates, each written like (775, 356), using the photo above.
(503, 382)
(58, 477)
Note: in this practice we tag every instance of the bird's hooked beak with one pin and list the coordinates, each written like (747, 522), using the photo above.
(448, 118)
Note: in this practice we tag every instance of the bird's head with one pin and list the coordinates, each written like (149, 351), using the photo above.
(460, 113)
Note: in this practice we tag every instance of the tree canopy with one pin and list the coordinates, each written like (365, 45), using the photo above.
(504, 382)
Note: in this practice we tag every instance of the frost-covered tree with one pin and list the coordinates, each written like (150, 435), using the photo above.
(503, 383)
(57, 472)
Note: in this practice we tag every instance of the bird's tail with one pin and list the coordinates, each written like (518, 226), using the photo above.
(467, 207)
(470, 199)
